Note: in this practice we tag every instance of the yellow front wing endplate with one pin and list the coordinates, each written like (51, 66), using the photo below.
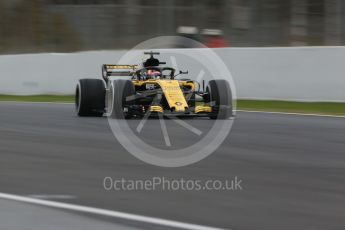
(203, 109)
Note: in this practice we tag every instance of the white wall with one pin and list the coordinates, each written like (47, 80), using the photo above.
(309, 74)
(49, 73)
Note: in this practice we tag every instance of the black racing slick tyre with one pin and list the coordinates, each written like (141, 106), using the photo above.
(123, 96)
(90, 98)
(220, 98)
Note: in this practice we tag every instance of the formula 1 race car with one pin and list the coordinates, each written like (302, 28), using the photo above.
(150, 91)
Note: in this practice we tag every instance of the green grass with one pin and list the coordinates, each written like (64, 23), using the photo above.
(329, 108)
(38, 98)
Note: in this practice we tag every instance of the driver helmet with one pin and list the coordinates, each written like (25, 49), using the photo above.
(153, 73)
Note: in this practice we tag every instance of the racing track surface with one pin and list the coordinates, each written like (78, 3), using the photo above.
(292, 167)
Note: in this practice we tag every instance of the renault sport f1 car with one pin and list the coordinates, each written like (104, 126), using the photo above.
(153, 89)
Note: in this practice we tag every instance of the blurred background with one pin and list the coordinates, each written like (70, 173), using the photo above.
(28, 26)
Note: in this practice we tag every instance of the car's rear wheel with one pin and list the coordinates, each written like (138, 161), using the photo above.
(123, 93)
(220, 99)
(90, 97)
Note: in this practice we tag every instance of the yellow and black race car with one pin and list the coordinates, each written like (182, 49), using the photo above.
(150, 91)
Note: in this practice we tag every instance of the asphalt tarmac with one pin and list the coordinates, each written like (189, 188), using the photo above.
(291, 167)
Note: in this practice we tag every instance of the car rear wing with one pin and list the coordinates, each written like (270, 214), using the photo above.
(117, 70)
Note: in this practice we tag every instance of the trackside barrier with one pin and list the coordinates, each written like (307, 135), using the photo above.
(301, 73)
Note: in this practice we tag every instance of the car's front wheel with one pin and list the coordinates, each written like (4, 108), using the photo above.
(90, 97)
(220, 99)
(122, 93)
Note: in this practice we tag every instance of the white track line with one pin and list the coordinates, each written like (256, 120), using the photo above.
(52, 196)
(296, 114)
(246, 111)
(104, 212)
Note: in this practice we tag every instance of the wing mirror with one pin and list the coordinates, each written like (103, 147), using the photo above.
(181, 72)
(185, 72)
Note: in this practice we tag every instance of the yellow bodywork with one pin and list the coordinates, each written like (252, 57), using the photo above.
(172, 92)
(156, 108)
(111, 66)
(202, 109)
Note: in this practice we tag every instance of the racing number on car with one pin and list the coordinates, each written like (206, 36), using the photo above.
(150, 86)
